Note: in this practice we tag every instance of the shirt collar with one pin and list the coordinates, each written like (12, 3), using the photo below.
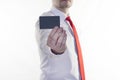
(57, 12)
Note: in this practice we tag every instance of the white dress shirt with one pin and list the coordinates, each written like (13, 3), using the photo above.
(57, 67)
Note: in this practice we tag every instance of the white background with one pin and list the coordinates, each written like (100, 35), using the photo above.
(97, 22)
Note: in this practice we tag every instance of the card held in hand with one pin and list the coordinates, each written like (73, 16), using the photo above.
(49, 22)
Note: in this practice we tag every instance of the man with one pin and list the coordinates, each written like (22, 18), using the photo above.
(58, 55)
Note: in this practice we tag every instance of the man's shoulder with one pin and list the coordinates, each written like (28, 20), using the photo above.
(48, 13)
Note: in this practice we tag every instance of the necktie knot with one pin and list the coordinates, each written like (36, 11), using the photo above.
(70, 21)
(68, 18)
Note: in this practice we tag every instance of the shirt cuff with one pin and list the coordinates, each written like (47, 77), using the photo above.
(55, 54)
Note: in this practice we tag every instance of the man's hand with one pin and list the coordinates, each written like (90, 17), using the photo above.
(57, 40)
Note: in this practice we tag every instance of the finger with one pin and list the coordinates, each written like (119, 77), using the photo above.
(53, 31)
(64, 40)
(53, 39)
(60, 39)
(51, 43)
(57, 34)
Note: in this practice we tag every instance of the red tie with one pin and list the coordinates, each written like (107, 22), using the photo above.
(80, 59)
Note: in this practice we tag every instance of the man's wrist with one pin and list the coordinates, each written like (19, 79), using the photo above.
(56, 53)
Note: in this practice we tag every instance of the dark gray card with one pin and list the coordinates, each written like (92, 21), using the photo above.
(49, 22)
